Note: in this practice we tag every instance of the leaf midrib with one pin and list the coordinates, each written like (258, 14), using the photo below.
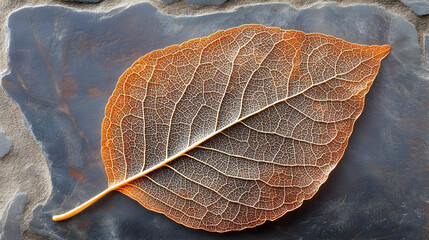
(195, 145)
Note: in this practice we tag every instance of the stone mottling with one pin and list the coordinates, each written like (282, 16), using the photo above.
(5, 144)
(420, 7)
(12, 218)
(64, 65)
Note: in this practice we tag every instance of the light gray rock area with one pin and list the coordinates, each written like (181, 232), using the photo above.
(64, 64)
(5, 144)
(420, 7)
(12, 221)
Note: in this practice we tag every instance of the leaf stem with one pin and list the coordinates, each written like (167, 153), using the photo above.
(83, 206)
(88, 203)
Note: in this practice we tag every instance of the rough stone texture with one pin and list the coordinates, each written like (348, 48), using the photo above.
(206, 2)
(4, 144)
(168, 1)
(24, 167)
(83, 1)
(12, 220)
(420, 7)
(198, 2)
(64, 65)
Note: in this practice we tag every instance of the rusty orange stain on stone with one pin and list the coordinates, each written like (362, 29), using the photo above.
(84, 224)
(77, 175)
(69, 86)
(94, 92)
(64, 108)
(10, 85)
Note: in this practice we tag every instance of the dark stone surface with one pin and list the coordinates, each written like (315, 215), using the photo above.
(420, 7)
(5, 144)
(198, 2)
(12, 219)
(64, 65)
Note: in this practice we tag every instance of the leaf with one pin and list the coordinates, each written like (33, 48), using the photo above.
(225, 132)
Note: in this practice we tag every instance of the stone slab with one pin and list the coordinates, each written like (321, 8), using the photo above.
(420, 7)
(5, 144)
(64, 65)
(12, 218)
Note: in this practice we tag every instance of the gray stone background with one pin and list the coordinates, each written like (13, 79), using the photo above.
(23, 169)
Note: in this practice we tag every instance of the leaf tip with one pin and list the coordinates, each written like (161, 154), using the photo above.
(384, 50)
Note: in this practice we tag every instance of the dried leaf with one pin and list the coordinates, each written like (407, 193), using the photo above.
(225, 132)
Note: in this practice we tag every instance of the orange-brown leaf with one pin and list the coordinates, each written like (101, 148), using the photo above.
(225, 132)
